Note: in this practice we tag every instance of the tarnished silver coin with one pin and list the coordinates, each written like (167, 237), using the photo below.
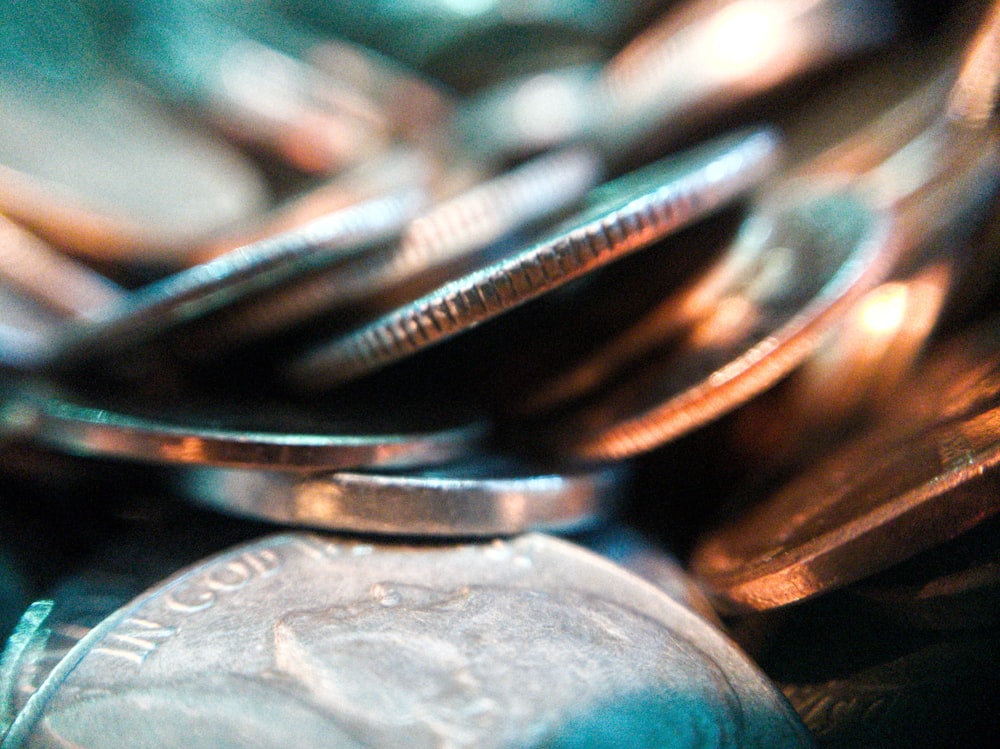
(203, 288)
(239, 433)
(477, 497)
(90, 165)
(302, 640)
(625, 215)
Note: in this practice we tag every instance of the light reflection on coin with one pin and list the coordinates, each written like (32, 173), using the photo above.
(479, 497)
(64, 285)
(242, 433)
(448, 233)
(531, 642)
(625, 216)
(921, 476)
(203, 288)
(800, 261)
(704, 56)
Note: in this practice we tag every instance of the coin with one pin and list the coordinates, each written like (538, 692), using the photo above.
(262, 434)
(624, 216)
(508, 644)
(478, 497)
(704, 56)
(257, 89)
(65, 286)
(909, 482)
(647, 559)
(90, 165)
(955, 585)
(942, 694)
(201, 289)
(799, 262)
(449, 232)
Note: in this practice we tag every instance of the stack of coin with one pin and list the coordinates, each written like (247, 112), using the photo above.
(321, 321)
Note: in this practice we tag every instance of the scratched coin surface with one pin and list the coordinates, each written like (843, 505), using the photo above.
(478, 497)
(921, 476)
(239, 433)
(301, 640)
(624, 216)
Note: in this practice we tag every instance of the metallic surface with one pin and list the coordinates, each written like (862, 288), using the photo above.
(92, 165)
(625, 216)
(919, 478)
(799, 263)
(479, 497)
(530, 642)
(199, 290)
(451, 231)
(265, 435)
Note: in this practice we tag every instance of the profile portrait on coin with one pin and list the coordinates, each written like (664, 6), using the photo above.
(478, 665)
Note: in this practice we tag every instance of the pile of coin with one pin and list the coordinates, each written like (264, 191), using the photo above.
(499, 374)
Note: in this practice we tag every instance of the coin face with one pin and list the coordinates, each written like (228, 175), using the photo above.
(909, 483)
(797, 266)
(477, 497)
(528, 642)
(274, 435)
(625, 215)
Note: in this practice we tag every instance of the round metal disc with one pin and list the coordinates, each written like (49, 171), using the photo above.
(203, 288)
(97, 169)
(925, 474)
(799, 263)
(450, 232)
(305, 641)
(625, 215)
(481, 497)
(245, 434)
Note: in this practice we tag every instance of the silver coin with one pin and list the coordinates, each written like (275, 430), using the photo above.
(450, 232)
(799, 263)
(705, 56)
(625, 216)
(239, 434)
(519, 643)
(203, 288)
(479, 497)
(525, 114)
(93, 166)
(257, 89)
(647, 559)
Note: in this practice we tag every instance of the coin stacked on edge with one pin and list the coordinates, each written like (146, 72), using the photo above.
(499, 374)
